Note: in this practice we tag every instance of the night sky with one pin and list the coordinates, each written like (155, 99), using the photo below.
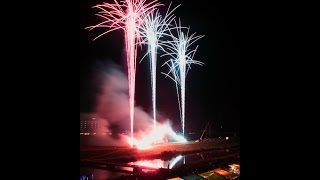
(212, 90)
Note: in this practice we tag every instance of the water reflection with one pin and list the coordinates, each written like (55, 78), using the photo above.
(174, 162)
(97, 174)
(155, 164)
(158, 163)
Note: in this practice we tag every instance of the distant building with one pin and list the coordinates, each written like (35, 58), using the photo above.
(92, 125)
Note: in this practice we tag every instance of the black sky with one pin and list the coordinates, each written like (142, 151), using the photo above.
(212, 90)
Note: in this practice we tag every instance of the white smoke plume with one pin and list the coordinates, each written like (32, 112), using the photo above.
(112, 106)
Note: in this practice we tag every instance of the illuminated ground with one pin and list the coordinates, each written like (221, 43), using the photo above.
(125, 154)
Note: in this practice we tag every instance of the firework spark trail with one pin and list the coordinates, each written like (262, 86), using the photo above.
(128, 16)
(152, 30)
(179, 63)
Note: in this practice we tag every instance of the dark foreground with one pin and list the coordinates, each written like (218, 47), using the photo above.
(222, 153)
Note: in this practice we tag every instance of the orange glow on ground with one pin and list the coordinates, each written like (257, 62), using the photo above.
(221, 172)
(156, 135)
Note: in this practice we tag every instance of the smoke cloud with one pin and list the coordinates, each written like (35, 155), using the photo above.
(112, 106)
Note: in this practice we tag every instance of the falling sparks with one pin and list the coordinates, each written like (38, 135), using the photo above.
(128, 16)
(180, 59)
(153, 28)
(142, 23)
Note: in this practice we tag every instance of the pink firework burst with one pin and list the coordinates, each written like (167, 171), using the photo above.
(127, 15)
